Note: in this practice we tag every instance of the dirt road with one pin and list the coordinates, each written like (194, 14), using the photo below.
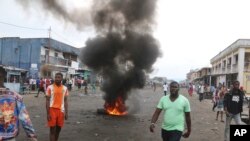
(85, 125)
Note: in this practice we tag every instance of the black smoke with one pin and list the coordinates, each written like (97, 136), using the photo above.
(79, 17)
(124, 49)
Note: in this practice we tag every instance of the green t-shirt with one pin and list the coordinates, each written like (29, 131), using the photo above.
(174, 116)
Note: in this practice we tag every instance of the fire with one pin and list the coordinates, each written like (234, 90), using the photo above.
(117, 108)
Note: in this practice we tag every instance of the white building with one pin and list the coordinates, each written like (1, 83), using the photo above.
(233, 63)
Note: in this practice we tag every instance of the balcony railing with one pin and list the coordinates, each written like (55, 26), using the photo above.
(235, 68)
(45, 59)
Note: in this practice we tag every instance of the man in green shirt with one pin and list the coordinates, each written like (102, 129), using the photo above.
(177, 110)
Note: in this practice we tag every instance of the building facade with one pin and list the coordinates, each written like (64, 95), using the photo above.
(233, 63)
(42, 57)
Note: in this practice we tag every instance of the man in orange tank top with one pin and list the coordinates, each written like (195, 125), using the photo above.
(56, 106)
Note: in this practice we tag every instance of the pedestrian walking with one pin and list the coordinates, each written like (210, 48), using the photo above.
(41, 87)
(215, 98)
(154, 86)
(190, 89)
(13, 111)
(233, 106)
(201, 92)
(220, 106)
(177, 110)
(165, 88)
(56, 106)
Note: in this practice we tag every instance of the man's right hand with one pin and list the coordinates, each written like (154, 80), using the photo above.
(152, 126)
(48, 117)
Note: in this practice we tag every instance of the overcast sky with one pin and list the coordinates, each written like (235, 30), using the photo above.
(190, 32)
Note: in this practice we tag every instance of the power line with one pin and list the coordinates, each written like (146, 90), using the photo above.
(22, 26)
(43, 29)
(62, 37)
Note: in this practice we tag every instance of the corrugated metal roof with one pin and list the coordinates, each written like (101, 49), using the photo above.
(12, 68)
(63, 47)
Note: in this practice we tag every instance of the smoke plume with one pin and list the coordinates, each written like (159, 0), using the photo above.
(124, 49)
(79, 17)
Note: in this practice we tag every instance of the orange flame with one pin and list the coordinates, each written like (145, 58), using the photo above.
(117, 108)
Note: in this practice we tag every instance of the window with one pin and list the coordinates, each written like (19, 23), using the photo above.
(229, 61)
(56, 54)
(235, 61)
(224, 64)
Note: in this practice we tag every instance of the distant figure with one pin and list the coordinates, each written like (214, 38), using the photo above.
(56, 106)
(41, 87)
(201, 92)
(79, 83)
(177, 110)
(165, 88)
(85, 84)
(13, 112)
(190, 89)
(93, 87)
(154, 86)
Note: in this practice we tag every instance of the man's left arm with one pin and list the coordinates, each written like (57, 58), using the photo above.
(188, 122)
(66, 107)
(187, 110)
(241, 101)
(25, 121)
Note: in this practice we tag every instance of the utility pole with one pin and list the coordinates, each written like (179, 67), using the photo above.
(49, 43)
(47, 71)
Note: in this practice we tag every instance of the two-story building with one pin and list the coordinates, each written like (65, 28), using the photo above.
(233, 63)
(40, 56)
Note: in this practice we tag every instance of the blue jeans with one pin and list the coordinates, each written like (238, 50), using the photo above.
(229, 118)
(173, 135)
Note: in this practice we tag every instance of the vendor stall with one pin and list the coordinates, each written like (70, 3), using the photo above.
(14, 78)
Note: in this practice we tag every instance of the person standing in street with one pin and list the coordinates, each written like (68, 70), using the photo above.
(190, 89)
(154, 86)
(13, 111)
(220, 109)
(41, 87)
(165, 88)
(201, 92)
(56, 106)
(177, 110)
(233, 106)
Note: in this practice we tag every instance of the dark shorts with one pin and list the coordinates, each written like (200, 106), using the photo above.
(173, 135)
(41, 90)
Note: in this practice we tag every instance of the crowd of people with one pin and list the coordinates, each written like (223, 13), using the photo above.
(176, 108)
(40, 85)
